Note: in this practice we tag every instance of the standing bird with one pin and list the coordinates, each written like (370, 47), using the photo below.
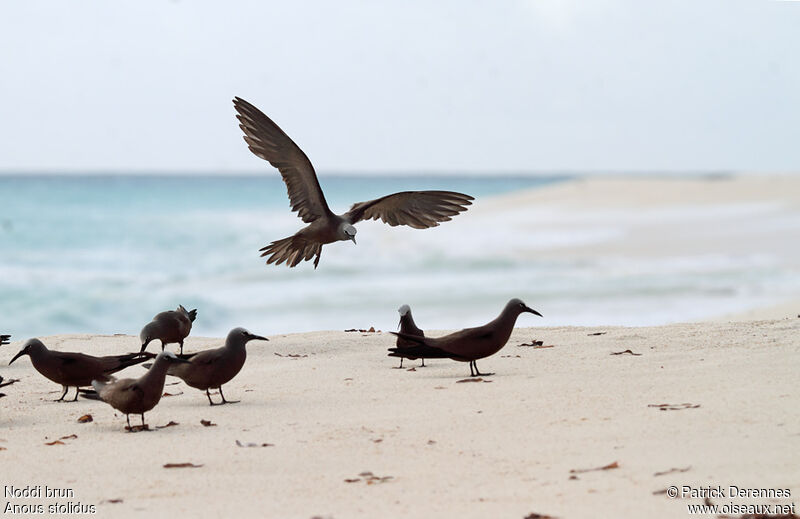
(137, 395)
(417, 209)
(4, 384)
(467, 345)
(73, 369)
(408, 327)
(209, 369)
(168, 327)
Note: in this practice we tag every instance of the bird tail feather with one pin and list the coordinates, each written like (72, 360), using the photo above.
(191, 314)
(130, 359)
(91, 394)
(292, 250)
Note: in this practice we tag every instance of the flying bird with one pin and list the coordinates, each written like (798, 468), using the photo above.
(417, 209)
(469, 344)
(168, 327)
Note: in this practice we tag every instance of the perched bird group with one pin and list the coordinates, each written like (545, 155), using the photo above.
(205, 370)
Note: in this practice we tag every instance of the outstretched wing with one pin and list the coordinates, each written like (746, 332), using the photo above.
(417, 209)
(266, 140)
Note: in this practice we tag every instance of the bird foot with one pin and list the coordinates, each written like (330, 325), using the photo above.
(137, 428)
(225, 402)
(482, 375)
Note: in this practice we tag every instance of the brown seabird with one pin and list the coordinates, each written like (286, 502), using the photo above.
(172, 326)
(408, 327)
(137, 395)
(73, 369)
(417, 209)
(210, 369)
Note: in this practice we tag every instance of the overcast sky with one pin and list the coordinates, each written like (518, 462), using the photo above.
(535, 85)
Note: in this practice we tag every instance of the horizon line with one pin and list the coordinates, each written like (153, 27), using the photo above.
(535, 173)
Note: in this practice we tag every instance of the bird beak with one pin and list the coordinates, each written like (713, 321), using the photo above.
(353, 238)
(253, 337)
(531, 310)
(18, 355)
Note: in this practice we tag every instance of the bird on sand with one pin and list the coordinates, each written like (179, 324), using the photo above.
(137, 395)
(172, 326)
(210, 369)
(417, 209)
(4, 384)
(469, 344)
(409, 327)
(72, 369)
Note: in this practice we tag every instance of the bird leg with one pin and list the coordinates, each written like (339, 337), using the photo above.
(226, 401)
(128, 418)
(423, 363)
(210, 402)
(61, 398)
(401, 364)
(181, 343)
(477, 373)
(144, 425)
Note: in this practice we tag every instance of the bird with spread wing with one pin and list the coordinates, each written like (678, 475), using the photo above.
(417, 209)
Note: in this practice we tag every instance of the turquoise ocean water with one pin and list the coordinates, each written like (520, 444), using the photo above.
(103, 254)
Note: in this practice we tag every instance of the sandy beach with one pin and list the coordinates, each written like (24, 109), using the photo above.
(331, 408)
(327, 427)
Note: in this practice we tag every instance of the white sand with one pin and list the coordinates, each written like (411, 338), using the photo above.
(498, 449)
(667, 217)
